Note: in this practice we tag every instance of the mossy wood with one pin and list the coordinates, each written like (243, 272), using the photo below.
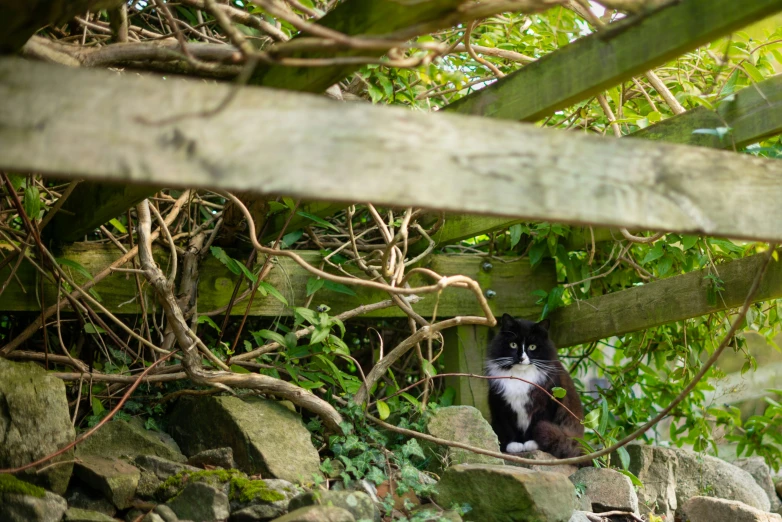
(604, 59)
(660, 302)
(513, 284)
(752, 114)
(471, 165)
(465, 351)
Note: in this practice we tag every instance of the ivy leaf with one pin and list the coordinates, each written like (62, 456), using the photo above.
(558, 392)
(412, 449)
(383, 410)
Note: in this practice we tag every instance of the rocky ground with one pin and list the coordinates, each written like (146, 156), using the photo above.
(252, 460)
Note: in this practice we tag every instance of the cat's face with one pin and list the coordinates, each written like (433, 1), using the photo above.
(521, 342)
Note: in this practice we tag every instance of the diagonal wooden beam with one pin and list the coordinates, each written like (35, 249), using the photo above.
(661, 302)
(375, 154)
(602, 60)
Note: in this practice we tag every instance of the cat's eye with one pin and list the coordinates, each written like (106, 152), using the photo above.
(531, 347)
(514, 345)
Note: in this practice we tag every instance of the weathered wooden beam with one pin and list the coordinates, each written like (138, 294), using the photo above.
(660, 302)
(753, 113)
(20, 19)
(472, 165)
(513, 284)
(602, 60)
(465, 351)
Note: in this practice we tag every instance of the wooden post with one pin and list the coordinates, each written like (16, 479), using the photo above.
(464, 352)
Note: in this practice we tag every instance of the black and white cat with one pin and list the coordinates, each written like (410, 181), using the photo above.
(523, 416)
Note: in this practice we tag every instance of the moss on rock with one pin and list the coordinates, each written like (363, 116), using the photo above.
(240, 487)
(11, 484)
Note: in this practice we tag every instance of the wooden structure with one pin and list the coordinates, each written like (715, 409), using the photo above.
(67, 122)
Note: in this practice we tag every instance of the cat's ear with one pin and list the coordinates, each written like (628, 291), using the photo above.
(544, 325)
(507, 322)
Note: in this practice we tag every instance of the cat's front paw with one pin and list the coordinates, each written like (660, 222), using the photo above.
(530, 445)
(515, 447)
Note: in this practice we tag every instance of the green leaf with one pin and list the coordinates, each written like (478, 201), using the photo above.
(320, 221)
(537, 252)
(273, 291)
(654, 254)
(383, 410)
(119, 226)
(339, 287)
(227, 260)
(319, 335)
(314, 284)
(76, 266)
(32, 202)
(97, 407)
(689, 241)
(604, 418)
(515, 234)
(624, 457)
(272, 336)
(290, 239)
(208, 320)
(636, 482)
(412, 449)
(239, 369)
(308, 315)
(92, 329)
(558, 392)
(17, 180)
(752, 72)
(592, 419)
(429, 368)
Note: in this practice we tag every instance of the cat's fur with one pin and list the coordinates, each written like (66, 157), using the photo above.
(523, 416)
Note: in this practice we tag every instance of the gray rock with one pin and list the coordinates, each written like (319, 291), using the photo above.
(116, 479)
(317, 514)
(565, 469)
(32, 505)
(81, 497)
(359, 504)
(166, 513)
(698, 475)
(155, 471)
(119, 438)
(463, 424)
(607, 489)
(708, 509)
(656, 468)
(218, 457)
(85, 515)
(579, 516)
(757, 467)
(266, 437)
(429, 513)
(200, 503)
(153, 517)
(34, 422)
(507, 493)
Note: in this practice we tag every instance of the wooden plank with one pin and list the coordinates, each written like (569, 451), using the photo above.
(20, 19)
(93, 204)
(660, 302)
(602, 60)
(472, 165)
(512, 282)
(754, 113)
(465, 351)
(354, 18)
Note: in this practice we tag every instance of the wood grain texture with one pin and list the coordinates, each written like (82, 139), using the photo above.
(512, 282)
(465, 351)
(660, 302)
(753, 113)
(67, 122)
(602, 60)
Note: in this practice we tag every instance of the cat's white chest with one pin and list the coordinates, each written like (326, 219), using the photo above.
(516, 392)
